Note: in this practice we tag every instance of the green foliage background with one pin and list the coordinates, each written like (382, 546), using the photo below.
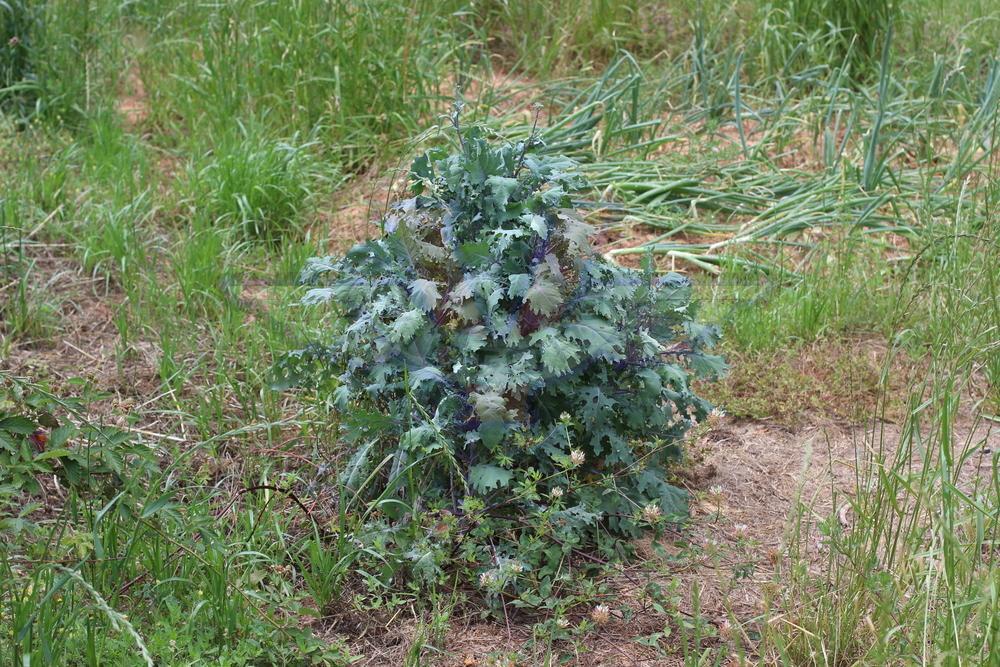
(829, 199)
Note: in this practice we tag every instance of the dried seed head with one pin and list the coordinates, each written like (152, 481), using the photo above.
(601, 614)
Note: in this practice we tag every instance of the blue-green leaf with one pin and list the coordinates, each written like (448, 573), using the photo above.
(557, 353)
(537, 224)
(519, 285)
(599, 338)
(543, 296)
(407, 325)
(471, 339)
(502, 189)
(424, 294)
(474, 254)
(487, 477)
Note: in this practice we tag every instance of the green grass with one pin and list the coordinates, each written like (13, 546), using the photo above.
(360, 74)
(821, 194)
(58, 57)
(259, 186)
(912, 579)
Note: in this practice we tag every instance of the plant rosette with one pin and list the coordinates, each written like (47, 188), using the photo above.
(489, 364)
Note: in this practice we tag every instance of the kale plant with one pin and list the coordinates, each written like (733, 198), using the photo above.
(492, 368)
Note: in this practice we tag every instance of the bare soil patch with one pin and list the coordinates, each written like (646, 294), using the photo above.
(748, 479)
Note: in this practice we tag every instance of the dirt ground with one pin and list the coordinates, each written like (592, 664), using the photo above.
(749, 480)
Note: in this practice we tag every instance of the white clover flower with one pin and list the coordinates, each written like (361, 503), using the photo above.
(515, 566)
(601, 614)
(577, 457)
(556, 493)
(562, 623)
(652, 513)
(741, 529)
(487, 578)
(564, 416)
(715, 490)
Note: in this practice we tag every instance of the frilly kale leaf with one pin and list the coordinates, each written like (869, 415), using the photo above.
(506, 356)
